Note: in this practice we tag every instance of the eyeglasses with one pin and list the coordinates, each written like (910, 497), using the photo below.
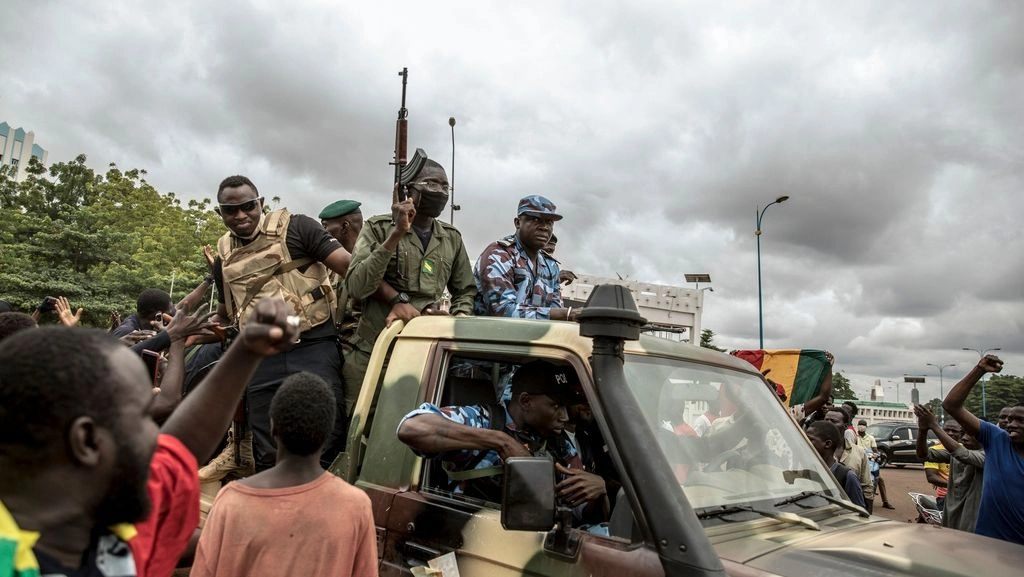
(233, 209)
(430, 186)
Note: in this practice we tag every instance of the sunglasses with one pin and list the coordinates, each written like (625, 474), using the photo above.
(233, 209)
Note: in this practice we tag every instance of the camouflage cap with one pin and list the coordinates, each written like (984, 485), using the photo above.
(546, 378)
(537, 205)
(339, 209)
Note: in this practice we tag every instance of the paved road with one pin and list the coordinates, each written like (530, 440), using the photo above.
(898, 482)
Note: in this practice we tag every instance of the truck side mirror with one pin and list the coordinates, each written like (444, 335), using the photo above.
(528, 494)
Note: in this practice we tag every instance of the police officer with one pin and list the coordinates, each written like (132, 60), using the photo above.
(276, 254)
(403, 262)
(514, 276)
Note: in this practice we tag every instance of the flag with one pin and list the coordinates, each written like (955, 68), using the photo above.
(799, 371)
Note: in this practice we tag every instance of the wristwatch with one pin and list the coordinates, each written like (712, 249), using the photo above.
(399, 298)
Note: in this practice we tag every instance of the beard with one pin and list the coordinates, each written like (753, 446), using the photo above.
(127, 499)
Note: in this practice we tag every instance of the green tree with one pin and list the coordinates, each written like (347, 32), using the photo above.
(841, 388)
(98, 239)
(707, 340)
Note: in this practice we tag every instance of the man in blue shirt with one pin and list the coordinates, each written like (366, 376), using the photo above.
(514, 276)
(1001, 513)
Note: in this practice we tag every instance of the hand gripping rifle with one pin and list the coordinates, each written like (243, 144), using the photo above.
(401, 142)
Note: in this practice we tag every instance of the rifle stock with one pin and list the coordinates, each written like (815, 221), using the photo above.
(401, 142)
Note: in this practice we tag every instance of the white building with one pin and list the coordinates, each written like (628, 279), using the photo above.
(674, 312)
(16, 147)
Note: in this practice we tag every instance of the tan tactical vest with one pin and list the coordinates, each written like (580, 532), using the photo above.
(264, 268)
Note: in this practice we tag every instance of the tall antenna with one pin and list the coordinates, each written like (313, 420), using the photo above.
(451, 183)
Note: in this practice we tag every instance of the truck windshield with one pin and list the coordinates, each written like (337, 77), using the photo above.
(726, 437)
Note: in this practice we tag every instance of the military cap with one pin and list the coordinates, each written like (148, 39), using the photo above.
(338, 209)
(546, 378)
(537, 205)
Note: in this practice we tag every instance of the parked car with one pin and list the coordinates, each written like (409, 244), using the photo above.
(897, 442)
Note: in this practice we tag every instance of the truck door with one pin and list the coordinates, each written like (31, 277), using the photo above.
(434, 516)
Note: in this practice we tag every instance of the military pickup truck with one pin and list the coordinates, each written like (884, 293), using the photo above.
(749, 496)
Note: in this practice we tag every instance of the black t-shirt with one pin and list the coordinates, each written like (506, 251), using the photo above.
(306, 238)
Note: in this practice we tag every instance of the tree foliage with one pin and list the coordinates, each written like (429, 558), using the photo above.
(98, 239)
(1000, 391)
(707, 340)
(841, 388)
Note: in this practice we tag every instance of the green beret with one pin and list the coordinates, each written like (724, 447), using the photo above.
(338, 209)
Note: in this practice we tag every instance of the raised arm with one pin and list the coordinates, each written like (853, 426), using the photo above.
(953, 404)
(371, 255)
(925, 421)
(204, 415)
(818, 401)
(170, 384)
(931, 423)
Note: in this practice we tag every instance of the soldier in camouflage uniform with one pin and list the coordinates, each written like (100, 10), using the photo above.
(514, 276)
(403, 262)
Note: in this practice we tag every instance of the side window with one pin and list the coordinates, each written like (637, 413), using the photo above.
(479, 384)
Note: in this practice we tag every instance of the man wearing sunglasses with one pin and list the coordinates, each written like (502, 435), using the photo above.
(280, 255)
(404, 261)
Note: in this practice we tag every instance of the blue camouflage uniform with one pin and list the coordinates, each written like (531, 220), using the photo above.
(508, 283)
(488, 485)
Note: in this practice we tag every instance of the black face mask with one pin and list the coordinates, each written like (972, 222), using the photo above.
(431, 204)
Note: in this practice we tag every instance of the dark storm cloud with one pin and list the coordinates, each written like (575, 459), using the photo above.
(658, 129)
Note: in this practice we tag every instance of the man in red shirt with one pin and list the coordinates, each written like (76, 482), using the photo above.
(81, 458)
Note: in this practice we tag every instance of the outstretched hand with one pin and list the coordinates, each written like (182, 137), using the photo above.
(271, 328)
(925, 417)
(990, 364)
(63, 308)
(209, 255)
(183, 325)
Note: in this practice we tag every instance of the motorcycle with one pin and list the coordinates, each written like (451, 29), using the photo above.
(927, 508)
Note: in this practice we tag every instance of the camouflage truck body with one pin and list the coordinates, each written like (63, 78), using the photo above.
(416, 521)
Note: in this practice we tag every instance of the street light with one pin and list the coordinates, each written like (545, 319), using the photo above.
(981, 355)
(942, 394)
(897, 383)
(757, 233)
(451, 184)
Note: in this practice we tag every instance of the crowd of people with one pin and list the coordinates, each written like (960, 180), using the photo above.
(106, 446)
(127, 418)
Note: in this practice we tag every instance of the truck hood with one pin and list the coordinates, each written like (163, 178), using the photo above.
(882, 548)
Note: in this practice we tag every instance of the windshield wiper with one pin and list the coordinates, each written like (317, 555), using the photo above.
(783, 516)
(844, 504)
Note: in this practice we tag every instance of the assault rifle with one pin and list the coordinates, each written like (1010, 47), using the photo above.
(401, 142)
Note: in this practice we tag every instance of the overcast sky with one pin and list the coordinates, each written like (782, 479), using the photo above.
(657, 128)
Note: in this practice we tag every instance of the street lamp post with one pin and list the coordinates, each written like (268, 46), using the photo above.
(757, 233)
(942, 394)
(897, 383)
(981, 355)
